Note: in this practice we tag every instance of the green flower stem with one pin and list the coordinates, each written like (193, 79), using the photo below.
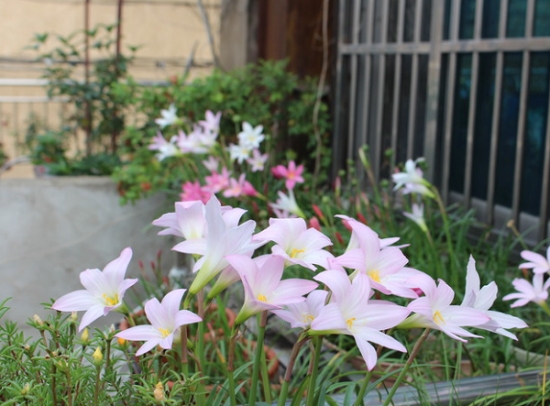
(257, 360)
(200, 338)
(288, 374)
(314, 367)
(97, 384)
(263, 364)
(363, 388)
(447, 229)
(184, 359)
(545, 307)
(230, 367)
(409, 362)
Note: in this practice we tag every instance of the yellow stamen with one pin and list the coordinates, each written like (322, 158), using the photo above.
(295, 251)
(164, 332)
(349, 322)
(438, 318)
(374, 275)
(262, 298)
(110, 300)
(307, 318)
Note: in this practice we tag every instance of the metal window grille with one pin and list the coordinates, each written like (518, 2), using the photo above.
(463, 83)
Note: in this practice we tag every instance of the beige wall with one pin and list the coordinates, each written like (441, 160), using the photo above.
(166, 30)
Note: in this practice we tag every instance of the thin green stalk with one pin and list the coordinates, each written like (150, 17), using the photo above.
(263, 364)
(230, 367)
(317, 343)
(54, 387)
(184, 359)
(409, 362)
(288, 374)
(97, 384)
(448, 237)
(257, 361)
(363, 389)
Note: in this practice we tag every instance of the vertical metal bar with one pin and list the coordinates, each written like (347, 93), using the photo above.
(414, 80)
(353, 84)
(377, 147)
(397, 81)
(449, 103)
(369, 22)
(336, 137)
(496, 116)
(522, 113)
(472, 107)
(545, 197)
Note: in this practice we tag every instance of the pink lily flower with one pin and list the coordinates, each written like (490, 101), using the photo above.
(537, 262)
(211, 122)
(483, 298)
(263, 287)
(412, 180)
(194, 191)
(165, 149)
(221, 240)
(537, 292)
(188, 220)
(434, 310)
(292, 174)
(103, 290)
(301, 315)
(296, 243)
(218, 181)
(257, 161)
(239, 187)
(382, 266)
(211, 164)
(350, 312)
(165, 318)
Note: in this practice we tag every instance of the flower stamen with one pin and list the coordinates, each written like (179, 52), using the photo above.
(374, 275)
(295, 251)
(110, 300)
(438, 318)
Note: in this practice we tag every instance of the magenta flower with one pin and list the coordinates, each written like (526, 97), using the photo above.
(217, 182)
(194, 191)
(351, 312)
(296, 243)
(103, 290)
(537, 292)
(263, 287)
(537, 262)
(165, 318)
(292, 174)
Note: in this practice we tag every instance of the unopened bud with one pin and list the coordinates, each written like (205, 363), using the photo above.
(38, 320)
(26, 389)
(85, 336)
(74, 316)
(159, 392)
(97, 356)
(121, 341)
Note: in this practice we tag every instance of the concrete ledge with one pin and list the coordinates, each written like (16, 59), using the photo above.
(51, 229)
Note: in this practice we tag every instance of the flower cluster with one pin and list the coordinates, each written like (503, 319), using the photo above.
(236, 171)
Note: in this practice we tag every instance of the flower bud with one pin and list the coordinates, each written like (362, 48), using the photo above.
(74, 317)
(121, 341)
(159, 392)
(38, 320)
(26, 389)
(85, 336)
(97, 356)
